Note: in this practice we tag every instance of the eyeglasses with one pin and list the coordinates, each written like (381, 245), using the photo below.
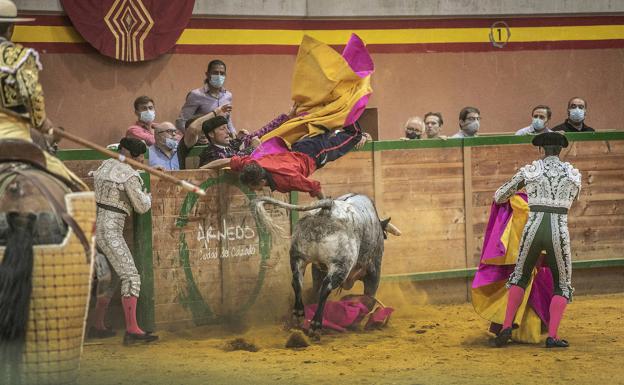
(473, 118)
(170, 132)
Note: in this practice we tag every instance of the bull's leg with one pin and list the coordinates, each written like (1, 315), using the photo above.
(372, 278)
(297, 266)
(371, 282)
(317, 278)
(336, 274)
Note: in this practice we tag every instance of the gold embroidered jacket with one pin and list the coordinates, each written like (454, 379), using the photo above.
(20, 89)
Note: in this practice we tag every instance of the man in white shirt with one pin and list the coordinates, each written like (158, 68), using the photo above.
(541, 116)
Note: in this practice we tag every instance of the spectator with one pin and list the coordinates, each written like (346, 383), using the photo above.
(145, 111)
(163, 153)
(414, 128)
(433, 125)
(469, 122)
(541, 116)
(191, 136)
(221, 145)
(577, 111)
(208, 98)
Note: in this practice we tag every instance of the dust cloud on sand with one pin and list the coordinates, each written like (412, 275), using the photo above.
(423, 344)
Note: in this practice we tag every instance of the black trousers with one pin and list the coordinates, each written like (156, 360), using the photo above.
(329, 146)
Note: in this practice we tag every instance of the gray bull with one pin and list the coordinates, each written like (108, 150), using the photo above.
(343, 239)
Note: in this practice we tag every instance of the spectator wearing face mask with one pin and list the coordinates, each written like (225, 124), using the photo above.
(469, 122)
(212, 97)
(145, 111)
(577, 112)
(163, 153)
(414, 128)
(541, 116)
(433, 125)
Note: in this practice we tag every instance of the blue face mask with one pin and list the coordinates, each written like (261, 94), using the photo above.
(217, 80)
(148, 116)
(577, 115)
(171, 143)
(538, 124)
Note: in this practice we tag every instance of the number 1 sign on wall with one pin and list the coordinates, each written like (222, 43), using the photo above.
(499, 34)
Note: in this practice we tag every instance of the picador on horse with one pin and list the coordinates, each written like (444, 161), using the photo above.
(46, 226)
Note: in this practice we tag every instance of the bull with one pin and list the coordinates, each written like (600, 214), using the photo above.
(342, 238)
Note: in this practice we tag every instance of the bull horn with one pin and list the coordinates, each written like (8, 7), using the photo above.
(392, 229)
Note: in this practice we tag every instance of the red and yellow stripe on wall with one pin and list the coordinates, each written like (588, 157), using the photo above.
(241, 36)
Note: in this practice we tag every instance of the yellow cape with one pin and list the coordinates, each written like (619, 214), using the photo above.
(325, 88)
(490, 301)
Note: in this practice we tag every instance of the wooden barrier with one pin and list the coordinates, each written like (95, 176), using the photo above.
(211, 263)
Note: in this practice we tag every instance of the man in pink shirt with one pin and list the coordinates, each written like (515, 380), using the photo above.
(146, 113)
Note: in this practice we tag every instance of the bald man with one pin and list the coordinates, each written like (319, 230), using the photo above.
(163, 154)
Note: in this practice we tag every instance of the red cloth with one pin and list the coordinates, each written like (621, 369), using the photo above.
(379, 318)
(137, 131)
(289, 170)
(339, 315)
(130, 30)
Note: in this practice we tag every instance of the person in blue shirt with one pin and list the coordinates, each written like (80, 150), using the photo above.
(163, 153)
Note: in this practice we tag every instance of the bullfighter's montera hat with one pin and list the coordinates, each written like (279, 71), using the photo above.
(212, 124)
(550, 139)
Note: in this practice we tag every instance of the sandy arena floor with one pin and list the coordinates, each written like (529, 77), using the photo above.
(422, 345)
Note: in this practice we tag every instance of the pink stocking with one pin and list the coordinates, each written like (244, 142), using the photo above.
(100, 312)
(129, 306)
(557, 307)
(516, 294)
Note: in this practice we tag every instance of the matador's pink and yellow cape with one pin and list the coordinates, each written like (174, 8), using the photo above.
(498, 259)
(330, 89)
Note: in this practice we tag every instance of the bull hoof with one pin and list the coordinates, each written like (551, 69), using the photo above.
(296, 320)
(314, 335)
(314, 332)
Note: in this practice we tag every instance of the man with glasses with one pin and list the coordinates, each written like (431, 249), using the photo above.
(163, 153)
(469, 122)
(414, 128)
(577, 111)
(541, 116)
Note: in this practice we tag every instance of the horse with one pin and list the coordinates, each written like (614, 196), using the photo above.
(33, 211)
(343, 239)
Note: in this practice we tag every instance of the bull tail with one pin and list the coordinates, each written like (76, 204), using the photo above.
(265, 219)
(15, 291)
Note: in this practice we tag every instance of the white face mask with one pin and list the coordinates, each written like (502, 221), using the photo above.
(148, 116)
(171, 143)
(577, 115)
(217, 80)
(472, 127)
(538, 124)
